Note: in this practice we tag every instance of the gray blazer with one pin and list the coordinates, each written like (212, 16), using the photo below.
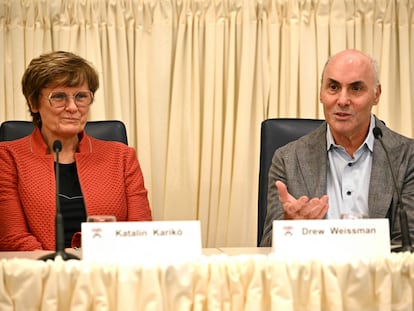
(302, 166)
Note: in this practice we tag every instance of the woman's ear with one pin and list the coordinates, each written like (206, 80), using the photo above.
(33, 109)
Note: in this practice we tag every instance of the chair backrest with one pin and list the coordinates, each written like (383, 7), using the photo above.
(112, 130)
(274, 134)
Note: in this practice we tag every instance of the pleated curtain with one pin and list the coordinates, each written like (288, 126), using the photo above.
(193, 79)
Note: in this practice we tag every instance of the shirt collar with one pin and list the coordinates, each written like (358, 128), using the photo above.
(369, 140)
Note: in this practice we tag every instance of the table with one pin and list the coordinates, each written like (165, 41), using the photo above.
(222, 279)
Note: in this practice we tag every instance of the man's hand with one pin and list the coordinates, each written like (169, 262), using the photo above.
(303, 207)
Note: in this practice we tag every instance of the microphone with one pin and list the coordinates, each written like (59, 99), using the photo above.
(406, 245)
(59, 228)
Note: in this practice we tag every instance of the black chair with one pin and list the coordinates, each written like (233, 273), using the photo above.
(274, 134)
(112, 130)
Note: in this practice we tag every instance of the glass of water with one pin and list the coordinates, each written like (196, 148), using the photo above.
(101, 218)
(353, 216)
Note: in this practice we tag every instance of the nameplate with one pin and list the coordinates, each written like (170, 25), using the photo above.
(141, 242)
(333, 239)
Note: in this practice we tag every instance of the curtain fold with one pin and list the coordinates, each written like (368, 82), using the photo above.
(193, 79)
(219, 282)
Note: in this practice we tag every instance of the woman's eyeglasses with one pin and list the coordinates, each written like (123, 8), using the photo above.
(82, 99)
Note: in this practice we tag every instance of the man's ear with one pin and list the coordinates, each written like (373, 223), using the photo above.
(378, 94)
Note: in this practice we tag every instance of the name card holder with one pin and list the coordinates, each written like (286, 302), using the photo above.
(331, 239)
(152, 242)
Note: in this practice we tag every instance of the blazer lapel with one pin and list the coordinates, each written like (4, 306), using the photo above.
(380, 194)
(312, 161)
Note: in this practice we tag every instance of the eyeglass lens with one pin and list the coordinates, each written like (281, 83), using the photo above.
(60, 99)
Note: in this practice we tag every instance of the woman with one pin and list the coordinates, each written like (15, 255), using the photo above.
(96, 177)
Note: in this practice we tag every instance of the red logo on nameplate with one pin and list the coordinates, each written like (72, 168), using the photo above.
(288, 230)
(96, 233)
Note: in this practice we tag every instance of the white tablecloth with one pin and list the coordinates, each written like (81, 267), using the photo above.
(217, 282)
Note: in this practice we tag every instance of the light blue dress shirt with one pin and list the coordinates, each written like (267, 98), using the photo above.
(348, 178)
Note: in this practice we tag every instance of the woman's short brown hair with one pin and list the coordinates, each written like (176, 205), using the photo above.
(58, 68)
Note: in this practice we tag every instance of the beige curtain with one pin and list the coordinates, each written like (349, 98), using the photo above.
(248, 283)
(193, 80)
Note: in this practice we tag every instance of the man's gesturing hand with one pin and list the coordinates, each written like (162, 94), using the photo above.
(303, 207)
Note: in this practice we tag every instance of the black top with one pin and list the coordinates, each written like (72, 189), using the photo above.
(72, 205)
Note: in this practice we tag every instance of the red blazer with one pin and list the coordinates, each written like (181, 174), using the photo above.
(109, 174)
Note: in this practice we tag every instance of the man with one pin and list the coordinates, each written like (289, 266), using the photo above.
(342, 160)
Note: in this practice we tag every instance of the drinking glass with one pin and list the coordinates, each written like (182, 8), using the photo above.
(101, 218)
(353, 216)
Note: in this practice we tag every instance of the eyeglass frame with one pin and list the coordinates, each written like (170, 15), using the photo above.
(49, 97)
